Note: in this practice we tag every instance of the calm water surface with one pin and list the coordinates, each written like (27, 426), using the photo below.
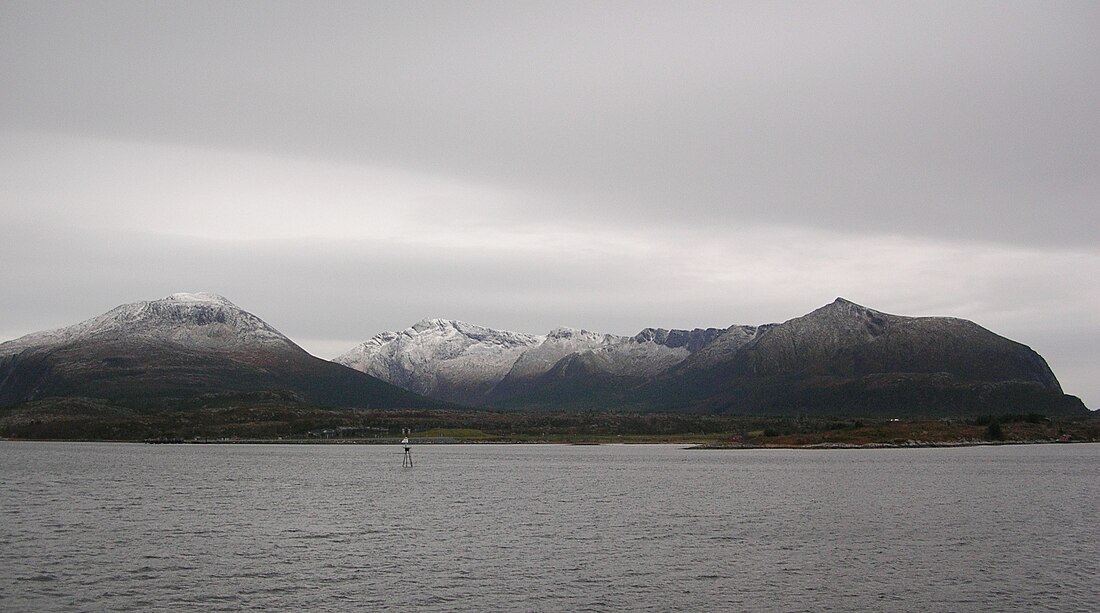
(129, 527)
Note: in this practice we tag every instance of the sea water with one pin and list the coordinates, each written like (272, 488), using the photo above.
(131, 527)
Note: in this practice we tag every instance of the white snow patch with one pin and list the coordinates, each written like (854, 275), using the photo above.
(198, 297)
(191, 319)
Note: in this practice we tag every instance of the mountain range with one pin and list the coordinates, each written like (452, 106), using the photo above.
(190, 350)
(842, 358)
(473, 365)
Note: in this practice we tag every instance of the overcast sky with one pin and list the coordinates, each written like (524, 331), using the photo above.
(341, 169)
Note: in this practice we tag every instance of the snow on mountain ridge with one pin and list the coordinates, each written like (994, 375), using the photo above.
(199, 297)
(579, 335)
(478, 333)
(441, 357)
(694, 339)
(197, 319)
(619, 355)
(462, 362)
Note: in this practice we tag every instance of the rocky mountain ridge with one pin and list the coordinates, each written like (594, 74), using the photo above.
(470, 364)
(844, 358)
(840, 358)
(441, 358)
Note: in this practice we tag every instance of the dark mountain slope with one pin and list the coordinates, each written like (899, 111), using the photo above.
(847, 359)
(155, 354)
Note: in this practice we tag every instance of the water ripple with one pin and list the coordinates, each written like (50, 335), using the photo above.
(546, 528)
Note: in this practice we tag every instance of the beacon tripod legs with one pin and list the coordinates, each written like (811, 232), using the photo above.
(408, 460)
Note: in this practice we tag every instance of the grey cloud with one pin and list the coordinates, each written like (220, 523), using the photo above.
(344, 289)
(925, 118)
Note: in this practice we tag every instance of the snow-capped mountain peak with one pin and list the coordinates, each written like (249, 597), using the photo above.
(204, 297)
(441, 357)
(191, 319)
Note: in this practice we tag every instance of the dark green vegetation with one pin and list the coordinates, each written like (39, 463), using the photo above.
(1005, 428)
(271, 418)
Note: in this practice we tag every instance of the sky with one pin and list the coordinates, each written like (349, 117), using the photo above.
(346, 168)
